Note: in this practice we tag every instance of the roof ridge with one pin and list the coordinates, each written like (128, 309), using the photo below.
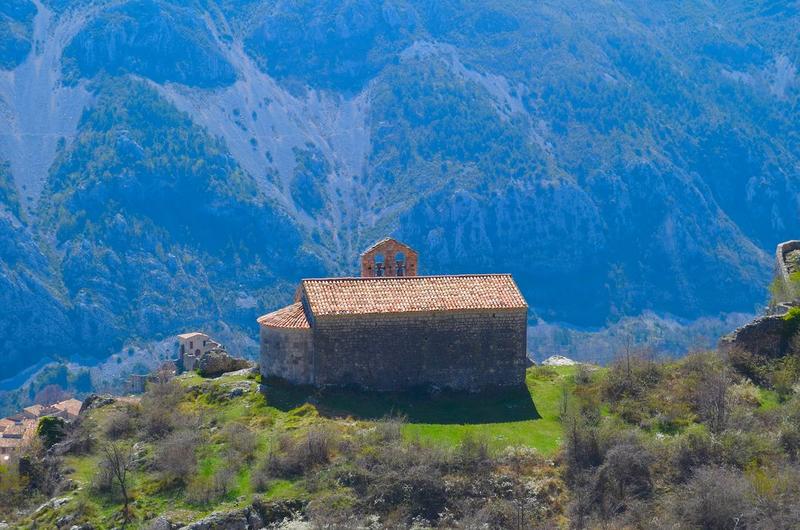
(384, 240)
(379, 278)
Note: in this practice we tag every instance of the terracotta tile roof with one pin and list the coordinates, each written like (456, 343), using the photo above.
(293, 316)
(71, 406)
(10, 443)
(191, 335)
(352, 296)
(34, 411)
(15, 431)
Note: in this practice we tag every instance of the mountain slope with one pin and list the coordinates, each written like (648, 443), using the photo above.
(617, 158)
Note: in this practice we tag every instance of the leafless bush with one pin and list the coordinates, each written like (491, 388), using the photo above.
(297, 456)
(159, 405)
(631, 375)
(176, 456)
(712, 398)
(240, 441)
(715, 498)
(623, 477)
(120, 423)
(204, 490)
(692, 450)
(390, 428)
(473, 453)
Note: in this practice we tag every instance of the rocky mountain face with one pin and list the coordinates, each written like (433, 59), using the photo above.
(173, 164)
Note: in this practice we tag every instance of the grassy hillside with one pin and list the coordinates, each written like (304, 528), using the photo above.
(704, 442)
(232, 438)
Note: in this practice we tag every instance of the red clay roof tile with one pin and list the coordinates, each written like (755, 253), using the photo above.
(352, 296)
(293, 316)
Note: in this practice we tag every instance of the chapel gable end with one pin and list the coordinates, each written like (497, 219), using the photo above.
(389, 257)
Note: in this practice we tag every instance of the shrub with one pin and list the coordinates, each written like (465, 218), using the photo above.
(120, 423)
(159, 407)
(715, 498)
(241, 442)
(693, 449)
(390, 429)
(51, 430)
(581, 446)
(473, 453)
(176, 456)
(631, 376)
(624, 476)
(296, 456)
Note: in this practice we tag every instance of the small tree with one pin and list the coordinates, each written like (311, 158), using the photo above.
(713, 397)
(117, 461)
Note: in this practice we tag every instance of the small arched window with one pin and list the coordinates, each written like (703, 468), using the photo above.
(379, 264)
(400, 260)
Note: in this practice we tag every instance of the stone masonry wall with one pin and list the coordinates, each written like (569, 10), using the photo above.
(287, 353)
(460, 350)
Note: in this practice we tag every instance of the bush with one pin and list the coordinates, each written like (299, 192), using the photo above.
(581, 446)
(121, 423)
(159, 407)
(631, 376)
(473, 453)
(176, 456)
(241, 442)
(51, 430)
(624, 476)
(691, 450)
(390, 429)
(715, 498)
(296, 456)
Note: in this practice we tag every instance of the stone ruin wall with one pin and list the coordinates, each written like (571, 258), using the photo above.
(783, 274)
(780, 258)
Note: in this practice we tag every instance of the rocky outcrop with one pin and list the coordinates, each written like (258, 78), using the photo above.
(255, 517)
(558, 360)
(217, 362)
(96, 401)
(766, 336)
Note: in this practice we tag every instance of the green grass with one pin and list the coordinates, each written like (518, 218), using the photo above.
(542, 433)
(527, 416)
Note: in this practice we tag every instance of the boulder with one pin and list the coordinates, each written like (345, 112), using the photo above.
(160, 523)
(96, 401)
(274, 512)
(259, 515)
(217, 362)
(236, 520)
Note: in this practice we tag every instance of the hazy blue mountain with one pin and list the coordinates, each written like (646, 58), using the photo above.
(174, 164)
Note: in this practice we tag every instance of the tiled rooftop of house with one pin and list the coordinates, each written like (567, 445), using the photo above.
(71, 406)
(191, 335)
(352, 296)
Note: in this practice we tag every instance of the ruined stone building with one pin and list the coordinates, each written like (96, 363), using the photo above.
(393, 329)
(192, 346)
